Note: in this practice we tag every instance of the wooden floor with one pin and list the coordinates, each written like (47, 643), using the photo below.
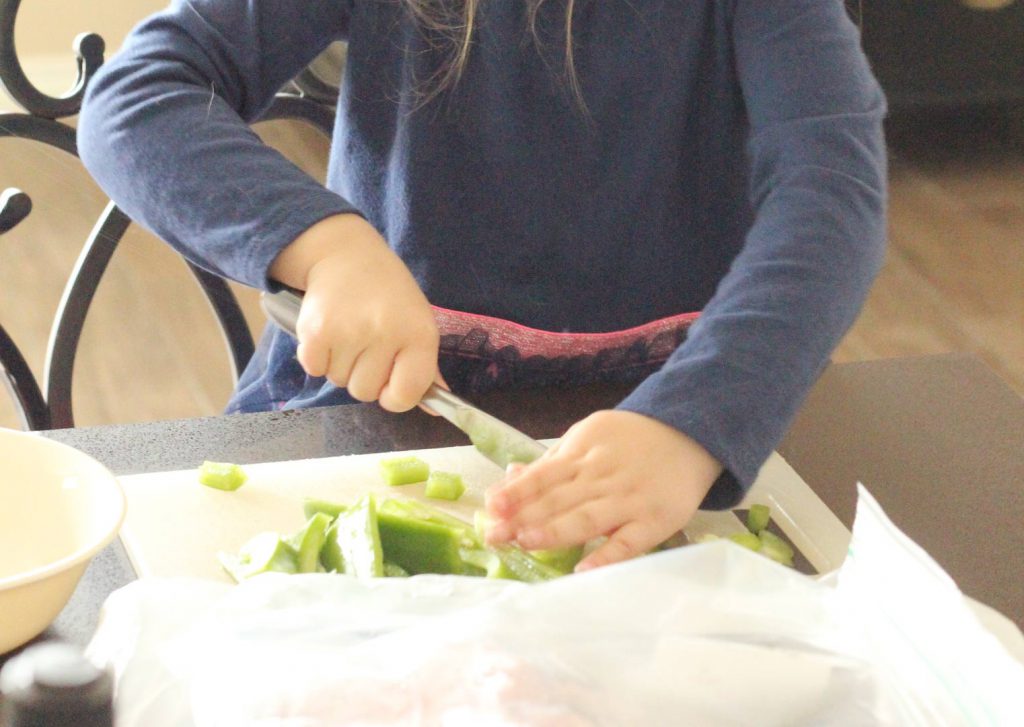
(953, 279)
(954, 273)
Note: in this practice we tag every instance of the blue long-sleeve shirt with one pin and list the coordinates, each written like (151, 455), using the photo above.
(728, 157)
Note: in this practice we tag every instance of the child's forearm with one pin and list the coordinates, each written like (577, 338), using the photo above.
(163, 130)
(818, 182)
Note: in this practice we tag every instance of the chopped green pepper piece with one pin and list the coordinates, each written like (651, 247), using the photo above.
(222, 475)
(481, 521)
(758, 517)
(747, 540)
(309, 541)
(418, 546)
(422, 511)
(444, 486)
(330, 553)
(524, 566)
(311, 506)
(264, 552)
(477, 558)
(472, 571)
(359, 539)
(499, 569)
(394, 571)
(775, 548)
(404, 470)
(561, 559)
(487, 562)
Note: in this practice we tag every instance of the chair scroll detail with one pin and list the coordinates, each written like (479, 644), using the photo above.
(15, 206)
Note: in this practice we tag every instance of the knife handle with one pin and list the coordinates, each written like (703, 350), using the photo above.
(282, 307)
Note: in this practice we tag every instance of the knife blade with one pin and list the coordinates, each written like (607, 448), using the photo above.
(496, 440)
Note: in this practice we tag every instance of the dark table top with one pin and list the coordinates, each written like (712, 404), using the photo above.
(938, 440)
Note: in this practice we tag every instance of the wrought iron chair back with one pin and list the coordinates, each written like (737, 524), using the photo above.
(47, 404)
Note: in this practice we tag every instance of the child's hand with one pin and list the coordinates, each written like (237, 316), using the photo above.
(615, 473)
(364, 322)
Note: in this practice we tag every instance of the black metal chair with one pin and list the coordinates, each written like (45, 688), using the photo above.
(48, 404)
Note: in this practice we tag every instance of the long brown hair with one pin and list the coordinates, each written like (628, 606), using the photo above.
(454, 21)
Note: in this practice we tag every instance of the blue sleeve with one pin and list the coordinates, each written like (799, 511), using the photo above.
(164, 128)
(818, 182)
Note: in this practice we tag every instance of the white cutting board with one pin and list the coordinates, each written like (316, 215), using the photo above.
(176, 527)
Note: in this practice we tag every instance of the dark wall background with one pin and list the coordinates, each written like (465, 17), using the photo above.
(943, 53)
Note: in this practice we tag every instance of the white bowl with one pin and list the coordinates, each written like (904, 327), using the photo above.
(58, 508)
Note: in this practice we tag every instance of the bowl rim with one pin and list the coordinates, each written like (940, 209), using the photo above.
(88, 550)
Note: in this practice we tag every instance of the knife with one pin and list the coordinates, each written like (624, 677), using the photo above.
(499, 442)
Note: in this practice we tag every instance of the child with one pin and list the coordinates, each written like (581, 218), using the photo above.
(529, 192)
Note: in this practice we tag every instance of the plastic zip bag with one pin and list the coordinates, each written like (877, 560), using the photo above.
(922, 632)
(710, 634)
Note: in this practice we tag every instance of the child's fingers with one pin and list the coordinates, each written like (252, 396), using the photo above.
(514, 469)
(314, 349)
(340, 368)
(529, 483)
(632, 539)
(314, 357)
(579, 525)
(370, 371)
(557, 500)
(415, 369)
